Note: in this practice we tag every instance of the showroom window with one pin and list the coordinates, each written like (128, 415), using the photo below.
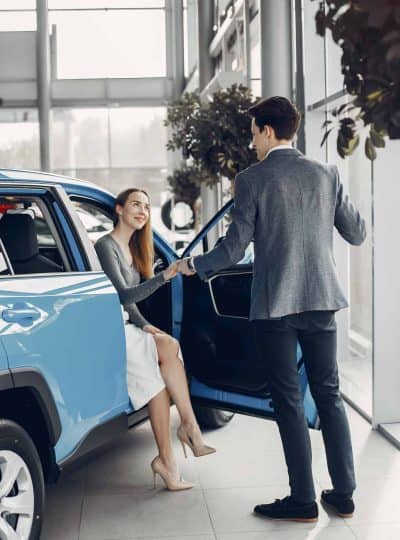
(109, 39)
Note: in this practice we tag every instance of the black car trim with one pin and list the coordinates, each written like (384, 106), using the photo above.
(6, 381)
(137, 417)
(34, 380)
(96, 437)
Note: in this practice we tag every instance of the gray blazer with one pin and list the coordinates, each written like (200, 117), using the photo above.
(289, 204)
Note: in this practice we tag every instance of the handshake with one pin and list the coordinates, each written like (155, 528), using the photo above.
(178, 267)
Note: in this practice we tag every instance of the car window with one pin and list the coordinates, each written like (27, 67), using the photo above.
(29, 236)
(96, 220)
(216, 234)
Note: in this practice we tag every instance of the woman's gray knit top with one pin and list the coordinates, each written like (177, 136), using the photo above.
(125, 278)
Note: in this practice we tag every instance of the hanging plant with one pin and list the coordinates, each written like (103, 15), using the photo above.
(368, 31)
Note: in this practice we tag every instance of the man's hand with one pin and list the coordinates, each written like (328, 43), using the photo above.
(150, 329)
(183, 268)
(171, 271)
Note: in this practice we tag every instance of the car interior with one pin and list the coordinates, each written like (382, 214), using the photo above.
(27, 237)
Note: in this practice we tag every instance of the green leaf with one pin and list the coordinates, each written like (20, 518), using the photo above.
(370, 151)
(377, 140)
(352, 145)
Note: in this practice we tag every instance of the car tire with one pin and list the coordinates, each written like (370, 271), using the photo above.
(20, 462)
(212, 418)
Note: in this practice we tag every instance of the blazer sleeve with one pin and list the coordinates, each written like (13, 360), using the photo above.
(239, 234)
(348, 221)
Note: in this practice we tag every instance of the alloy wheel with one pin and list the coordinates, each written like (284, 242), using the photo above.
(16, 497)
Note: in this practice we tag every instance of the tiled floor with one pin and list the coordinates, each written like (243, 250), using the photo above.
(112, 497)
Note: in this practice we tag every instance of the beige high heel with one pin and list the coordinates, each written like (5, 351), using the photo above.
(171, 484)
(197, 449)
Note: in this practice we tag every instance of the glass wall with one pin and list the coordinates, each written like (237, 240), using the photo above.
(19, 139)
(354, 264)
(109, 39)
(17, 15)
(128, 148)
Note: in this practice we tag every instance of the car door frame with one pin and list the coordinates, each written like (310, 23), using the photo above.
(106, 200)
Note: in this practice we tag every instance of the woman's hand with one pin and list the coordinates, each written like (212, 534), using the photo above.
(150, 329)
(171, 271)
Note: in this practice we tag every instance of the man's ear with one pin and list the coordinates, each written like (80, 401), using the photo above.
(268, 131)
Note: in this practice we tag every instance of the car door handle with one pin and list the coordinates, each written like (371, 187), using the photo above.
(20, 313)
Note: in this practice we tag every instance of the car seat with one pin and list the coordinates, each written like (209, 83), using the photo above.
(18, 233)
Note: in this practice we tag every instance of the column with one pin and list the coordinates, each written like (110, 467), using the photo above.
(43, 83)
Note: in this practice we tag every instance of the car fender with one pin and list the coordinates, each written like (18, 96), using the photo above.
(34, 380)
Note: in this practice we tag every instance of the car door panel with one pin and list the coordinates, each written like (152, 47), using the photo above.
(72, 341)
(219, 347)
(247, 404)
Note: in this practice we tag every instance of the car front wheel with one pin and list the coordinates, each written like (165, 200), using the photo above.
(21, 484)
(212, 418)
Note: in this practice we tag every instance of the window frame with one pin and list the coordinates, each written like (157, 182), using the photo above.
(46, 200)
(4, 253)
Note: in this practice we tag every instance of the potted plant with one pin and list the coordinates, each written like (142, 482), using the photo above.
(213, 136)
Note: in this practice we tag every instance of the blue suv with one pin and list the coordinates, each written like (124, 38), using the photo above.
(62, 347)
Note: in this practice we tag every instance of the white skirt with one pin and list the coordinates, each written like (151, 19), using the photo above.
(143, 376)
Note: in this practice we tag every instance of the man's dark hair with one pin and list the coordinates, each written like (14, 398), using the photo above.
(279, 113)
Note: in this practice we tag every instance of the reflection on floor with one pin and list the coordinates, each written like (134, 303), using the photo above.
(112, 496)
(356, 380)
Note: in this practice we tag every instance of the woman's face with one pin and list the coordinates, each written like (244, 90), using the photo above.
(135, 212)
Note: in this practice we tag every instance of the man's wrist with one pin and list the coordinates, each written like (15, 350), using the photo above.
(190, 264)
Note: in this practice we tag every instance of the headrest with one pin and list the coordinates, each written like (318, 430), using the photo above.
(18, 233)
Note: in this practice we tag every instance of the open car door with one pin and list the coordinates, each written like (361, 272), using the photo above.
(217, 338)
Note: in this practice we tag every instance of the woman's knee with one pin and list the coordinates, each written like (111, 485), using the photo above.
(167, 346)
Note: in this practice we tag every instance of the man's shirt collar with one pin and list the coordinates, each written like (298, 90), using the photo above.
(279, 147)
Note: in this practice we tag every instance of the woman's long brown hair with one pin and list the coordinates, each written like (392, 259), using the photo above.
(141, 243)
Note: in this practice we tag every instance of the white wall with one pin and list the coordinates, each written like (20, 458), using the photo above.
(386, 400)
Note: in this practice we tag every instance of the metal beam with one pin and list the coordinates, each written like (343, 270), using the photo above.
(205, 34)
(90, 92)
(175, 45)
(276, 48)
(299, 72)
(43, 83)
(210, 199)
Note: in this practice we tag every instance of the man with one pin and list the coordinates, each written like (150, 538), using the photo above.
(289, 205)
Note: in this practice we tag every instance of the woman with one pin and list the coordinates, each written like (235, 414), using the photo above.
(155, 371)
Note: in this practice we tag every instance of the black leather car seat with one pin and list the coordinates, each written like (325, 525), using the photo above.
(18, 233)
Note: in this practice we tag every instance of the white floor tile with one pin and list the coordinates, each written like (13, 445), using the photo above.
(63, 509)
(381, 531)
(231, 510)
(145, 513)
(111, 498)
(294, 533)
